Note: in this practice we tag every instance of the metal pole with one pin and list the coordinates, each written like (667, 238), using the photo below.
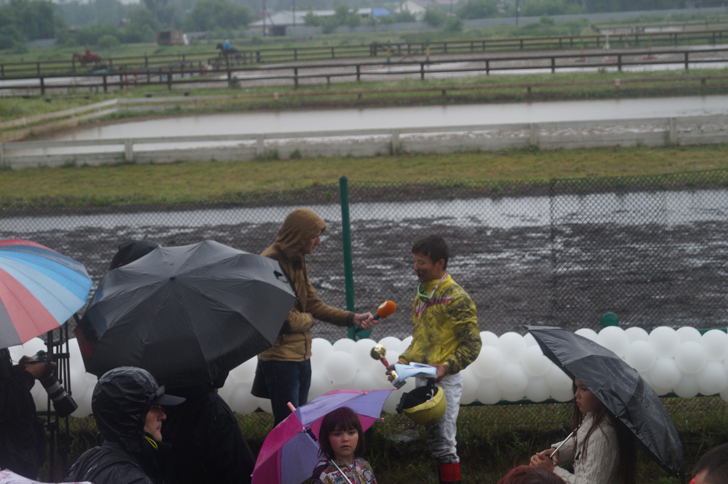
(346, 236)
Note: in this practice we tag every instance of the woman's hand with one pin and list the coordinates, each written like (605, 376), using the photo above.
(543, 461)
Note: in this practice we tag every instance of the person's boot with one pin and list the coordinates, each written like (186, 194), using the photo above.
(449, 473)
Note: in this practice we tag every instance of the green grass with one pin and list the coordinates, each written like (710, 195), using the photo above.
(248, 182)
(491, 439)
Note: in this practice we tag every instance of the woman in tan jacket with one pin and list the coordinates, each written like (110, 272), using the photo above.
(286, 367)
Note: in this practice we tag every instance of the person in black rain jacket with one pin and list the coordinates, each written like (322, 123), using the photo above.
(126, 404)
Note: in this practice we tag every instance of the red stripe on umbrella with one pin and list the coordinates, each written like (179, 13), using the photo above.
(24, 242)
(29, 317)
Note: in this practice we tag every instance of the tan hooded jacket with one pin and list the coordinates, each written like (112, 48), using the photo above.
(294, 340)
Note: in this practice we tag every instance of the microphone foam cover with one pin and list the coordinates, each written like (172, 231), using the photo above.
(386, 308)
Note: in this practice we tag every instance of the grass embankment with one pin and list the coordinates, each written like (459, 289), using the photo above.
(491, 439)
(229, 182)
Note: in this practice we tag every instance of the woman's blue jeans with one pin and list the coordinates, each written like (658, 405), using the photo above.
(287, 381)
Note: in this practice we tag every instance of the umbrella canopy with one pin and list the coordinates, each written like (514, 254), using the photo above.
(188, 314)
(620, 388)
(39, 290)
(290, 451)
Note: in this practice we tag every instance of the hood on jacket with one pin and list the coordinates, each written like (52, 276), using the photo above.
(120, 403)
(300, 226)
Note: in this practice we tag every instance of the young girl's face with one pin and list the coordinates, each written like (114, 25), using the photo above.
(343, 443)
(585, 399)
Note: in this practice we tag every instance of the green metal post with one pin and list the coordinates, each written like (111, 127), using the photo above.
(346, 235)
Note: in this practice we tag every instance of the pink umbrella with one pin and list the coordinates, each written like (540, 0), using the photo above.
(291, 451)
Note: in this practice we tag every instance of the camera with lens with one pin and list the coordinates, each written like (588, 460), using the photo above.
(62, 401)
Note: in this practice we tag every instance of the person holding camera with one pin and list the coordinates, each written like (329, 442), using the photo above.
(22, 434)
(127, 406)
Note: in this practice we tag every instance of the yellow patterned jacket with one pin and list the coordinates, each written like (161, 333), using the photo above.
(446, 329)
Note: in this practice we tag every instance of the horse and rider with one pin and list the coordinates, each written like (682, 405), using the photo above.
(88, 57)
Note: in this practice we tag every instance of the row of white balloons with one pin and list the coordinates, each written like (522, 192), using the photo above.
(510, 367)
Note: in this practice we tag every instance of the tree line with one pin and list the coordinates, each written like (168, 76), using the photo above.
(23, 20)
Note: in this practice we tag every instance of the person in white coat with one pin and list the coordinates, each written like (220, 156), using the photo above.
(602, 449)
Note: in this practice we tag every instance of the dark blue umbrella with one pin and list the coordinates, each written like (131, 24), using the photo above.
(620, 388)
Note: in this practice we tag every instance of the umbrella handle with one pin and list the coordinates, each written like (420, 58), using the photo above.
(551, 456)
(290, 405)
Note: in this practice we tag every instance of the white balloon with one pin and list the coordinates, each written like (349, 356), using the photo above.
(392, 344)
(712, 378)
(715, 343)
(588, 334)
(489, 362)
(636, 334)
(363, 359)
(512, 381)
(320, 350)
(690, 357)
(33, 346)
(390, 404)
(84, 405)
(226, 391)
(340, 367)
(74, 355)
(535, 363)
(320, 384)
(405, 344)
(365, 380)
(530, 340)
(78, 385)
(91, 380)
(265, 405)
(489, 392)
(512, 347)
(560, 384)
(245, 373)
(344, 344)
(688, 387)
(688, 333)
(640, 355)
(665, 373)
(665, 340)
(243, 401)
(538, 390)
(40, 396)
(488, 338)
(470, 386)
(613, 338)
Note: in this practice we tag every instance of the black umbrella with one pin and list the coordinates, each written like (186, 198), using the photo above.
(186, 314)
(620, 388)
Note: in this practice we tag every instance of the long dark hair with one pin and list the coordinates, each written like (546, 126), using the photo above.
(342, 418)
(625, 440)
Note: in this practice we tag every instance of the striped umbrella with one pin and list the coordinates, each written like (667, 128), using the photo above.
(39, 290)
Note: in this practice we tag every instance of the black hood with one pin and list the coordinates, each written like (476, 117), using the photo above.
(120, 402)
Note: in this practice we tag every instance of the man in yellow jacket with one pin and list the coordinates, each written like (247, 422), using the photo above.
(446, 336)
(285, 369)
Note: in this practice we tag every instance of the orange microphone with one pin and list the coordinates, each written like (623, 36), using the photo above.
(385, 309)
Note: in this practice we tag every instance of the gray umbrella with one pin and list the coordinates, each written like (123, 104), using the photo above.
(620, 388)
(186, 314)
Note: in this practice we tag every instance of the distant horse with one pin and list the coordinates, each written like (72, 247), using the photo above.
(88, 58)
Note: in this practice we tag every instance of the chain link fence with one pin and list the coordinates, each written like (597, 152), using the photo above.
(651, 249)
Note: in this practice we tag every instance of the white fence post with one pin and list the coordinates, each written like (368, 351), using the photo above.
(395, 142)
(673, 131)
(128, 151)
(533, 129)
(260, 145)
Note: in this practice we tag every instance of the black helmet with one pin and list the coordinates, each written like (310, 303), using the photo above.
(120, 403)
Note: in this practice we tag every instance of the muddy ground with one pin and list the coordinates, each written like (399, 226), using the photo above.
(568, 274)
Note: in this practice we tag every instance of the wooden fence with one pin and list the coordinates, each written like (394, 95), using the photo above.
(312, 73)
(246, 57)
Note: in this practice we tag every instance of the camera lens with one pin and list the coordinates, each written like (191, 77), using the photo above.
(62, 401)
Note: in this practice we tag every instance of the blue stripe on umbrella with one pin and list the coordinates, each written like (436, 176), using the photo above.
(49, 254)
(73, 281)
(57, 300)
